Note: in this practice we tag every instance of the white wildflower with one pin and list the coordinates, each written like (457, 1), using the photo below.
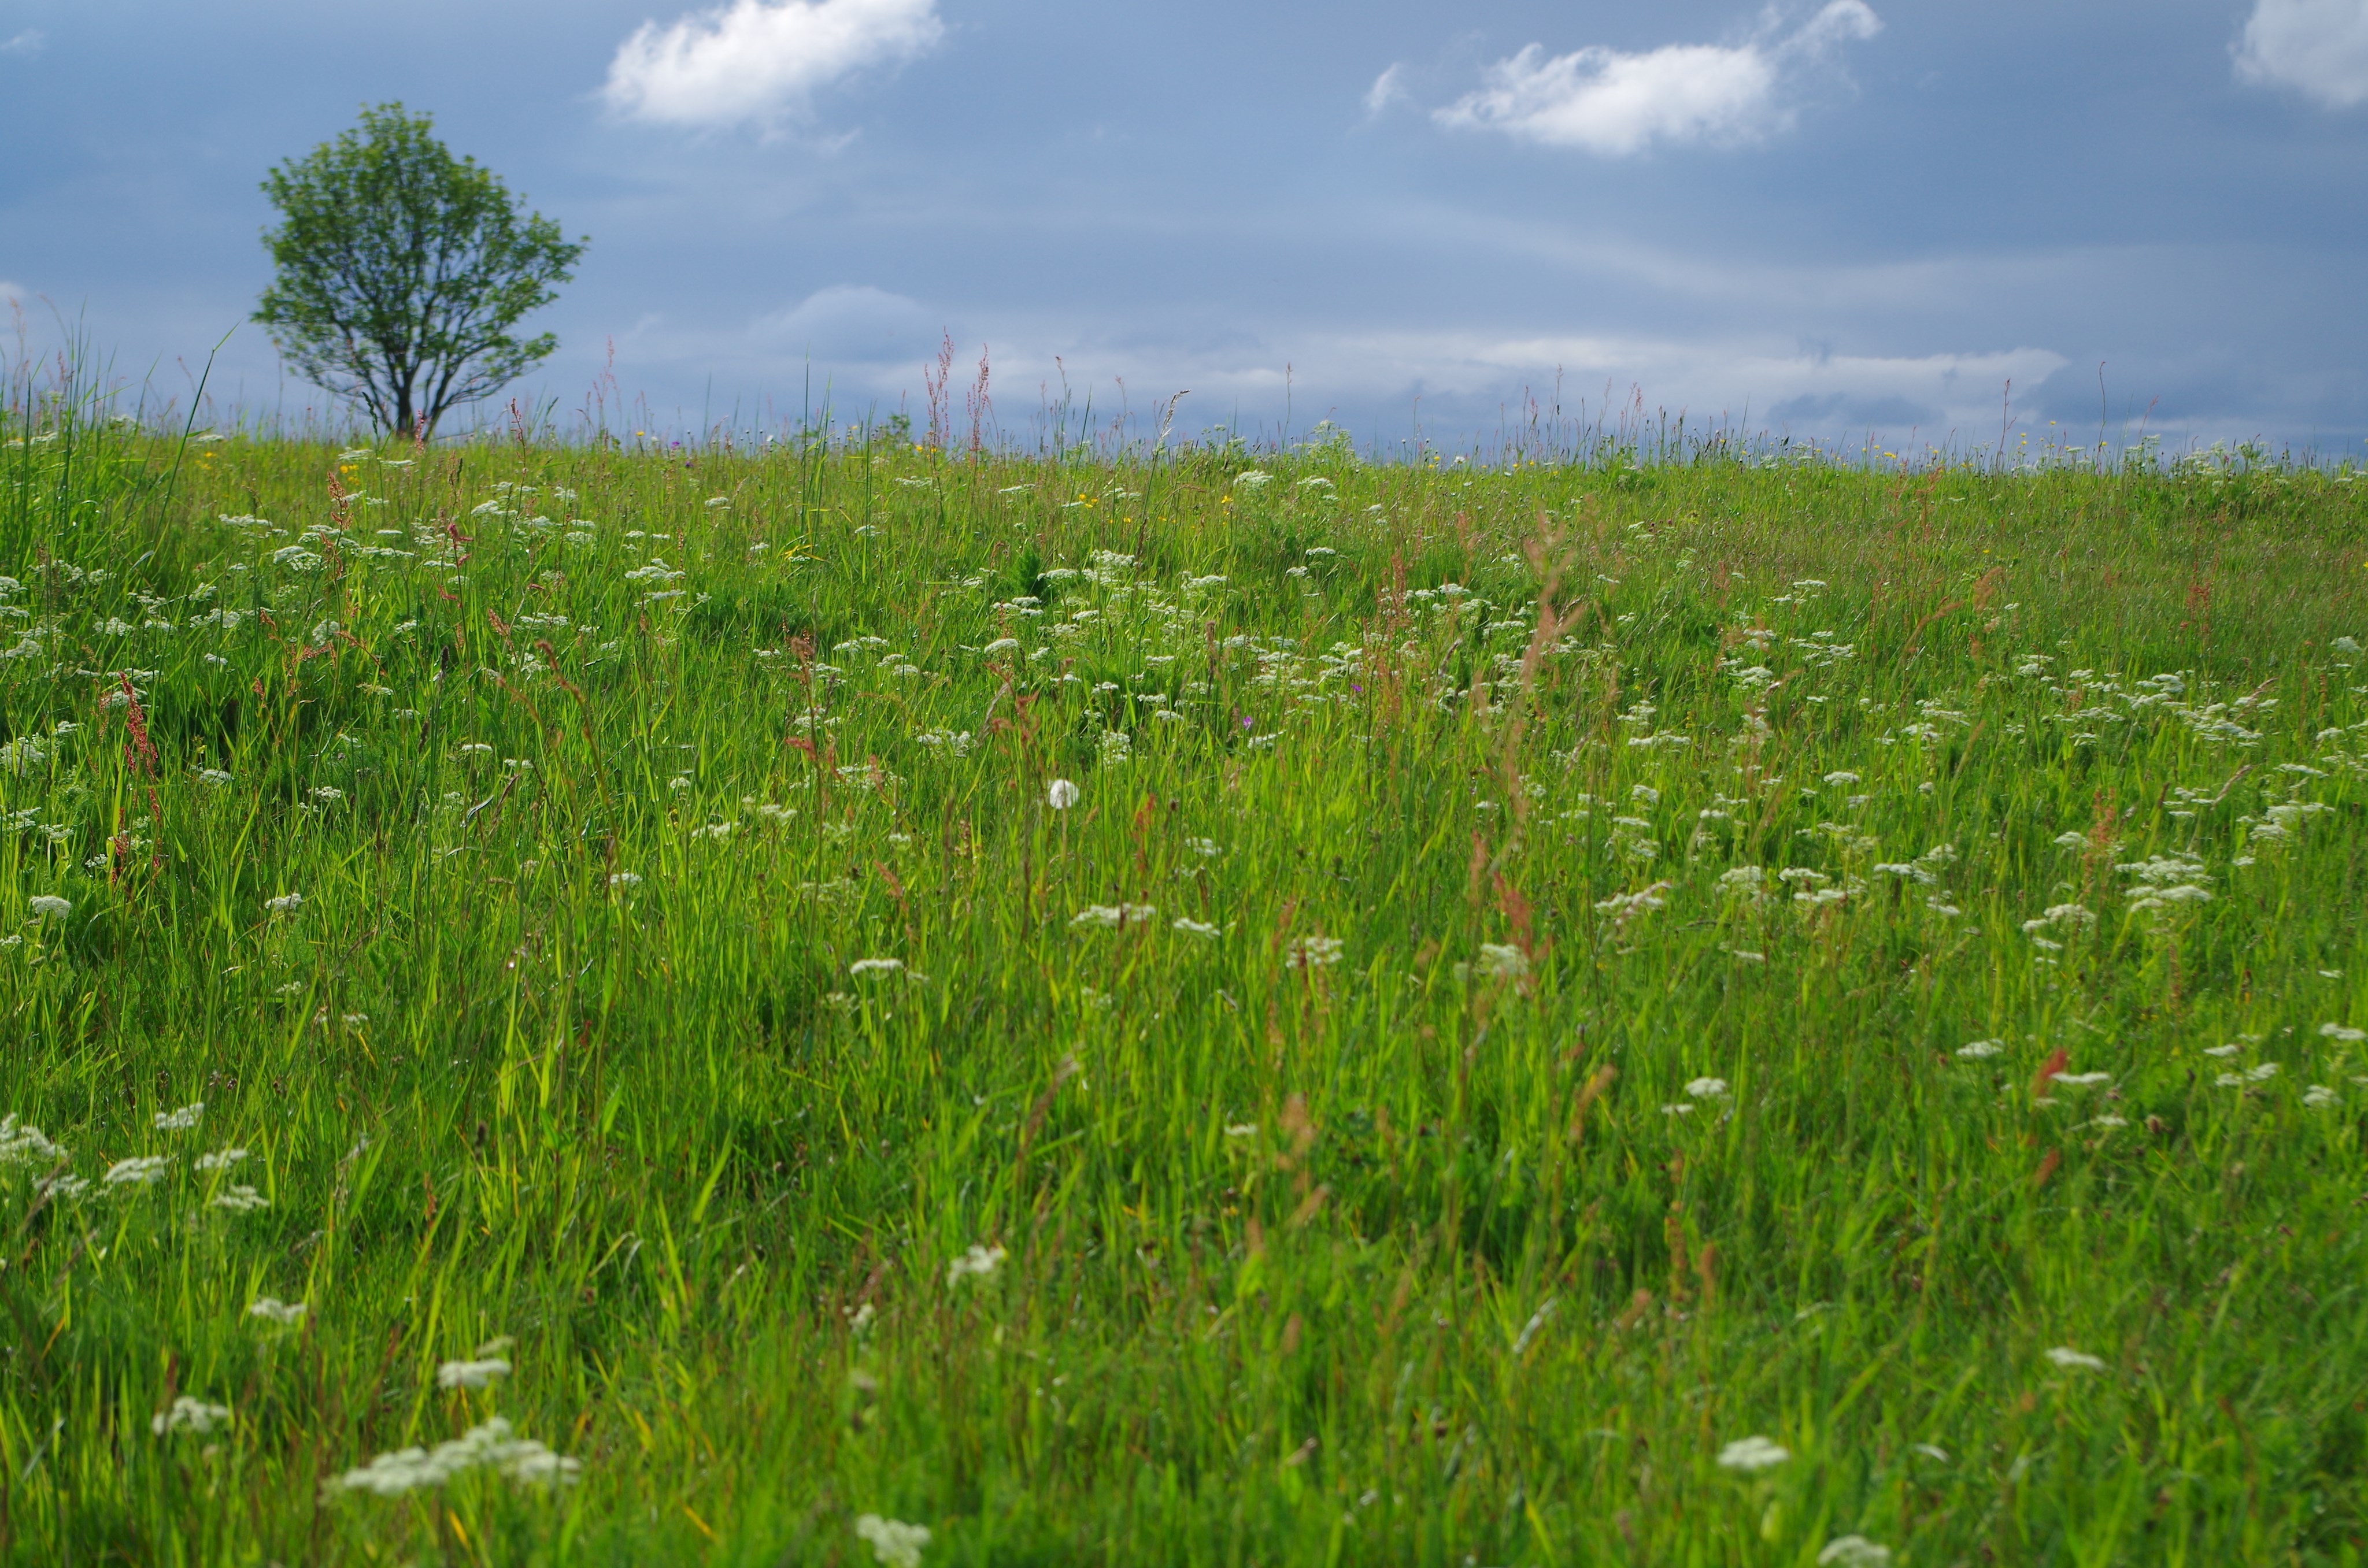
(624, 878)
(2338, 1031)
(1061, 795)
(2065, 1356)
(1752, 1454)
(48, 906)
(139, 1171)
(2318, 1095)
(179, 1120)
(271, 1308)
(1707, 1088)
(241, 1200)
(979, 1262)
(894, 1543)
(2082, 1080)
(875, 965)
(1314, 952)
(286, 903)
(1853, 1552)
(1193, 928)
(190, 1415)
(489, 1446)
(472, 1374)
(1982, 1047)
(1503, 961)
(1110, 916)
(21, 1144)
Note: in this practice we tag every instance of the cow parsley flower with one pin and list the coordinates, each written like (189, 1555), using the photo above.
(979, 1262)
(875, 965)
(48, 906)
(1982, 1047)
(1110, 916)
(138, 1171)
(179, 1120)
(2318, 1095)
(2338, 1031)
(190, 1415)
(2065, 1356)
(1315, 952)
(489, 1446)
(472, 1374)
(1707, 1088)
(286, 903)
(1752, 1454)
(1503, 961)
(1193, 928)
(241, 1199)
(1061, 794)
(271, 1308)
(895, 1544)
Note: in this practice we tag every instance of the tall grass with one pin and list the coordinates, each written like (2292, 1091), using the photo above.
(1547, 974)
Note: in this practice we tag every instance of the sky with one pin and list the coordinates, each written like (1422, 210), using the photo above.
(1837, 220)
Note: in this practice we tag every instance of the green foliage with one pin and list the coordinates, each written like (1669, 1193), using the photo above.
(402, 270)
(1878, 972)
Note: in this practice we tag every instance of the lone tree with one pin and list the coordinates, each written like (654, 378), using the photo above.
(402, 270)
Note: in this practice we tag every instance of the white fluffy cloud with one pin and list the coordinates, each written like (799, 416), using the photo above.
(1614, 104)
(2318, 46)
(759, 59)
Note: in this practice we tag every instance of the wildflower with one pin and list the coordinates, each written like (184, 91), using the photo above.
(139, 1171)
(1503, 961)
(1752, 1454)
(1680, 1108)
(271, 1308)
(1001, 645)
(1707, 1088)
(1193, 928)
(1315, 952)
(1853, 1552)
(1242, 1130)
(48, 906)
(179, 1120)
(472, 1374)
(2336, 1031)
(1982, 1047)
(286, 903)
(1061, 795)
(624, 878)
(893, 1543)
(875, 965)
(1838, 779)
(2318, 1095)
(489, 1446)
(859, 1318)
(1203, 847)
(241, 1200)
(190, 1415)
(1110, 916)
(979, 1261)
(2082, 1080)
(2065, 1356)
(20, 1143)
(214, 777)
(64, 1185)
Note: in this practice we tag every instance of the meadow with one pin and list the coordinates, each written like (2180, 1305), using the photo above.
(846, 1002)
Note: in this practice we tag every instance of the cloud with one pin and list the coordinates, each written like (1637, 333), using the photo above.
(1615, 104)
(27, 43)
(2317, 47)
(1386, 90)
(761, 60)
(852, 322)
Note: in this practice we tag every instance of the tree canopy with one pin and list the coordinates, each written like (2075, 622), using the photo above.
(402, 270)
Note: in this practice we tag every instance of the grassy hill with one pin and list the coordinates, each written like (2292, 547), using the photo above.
(640, 1005)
